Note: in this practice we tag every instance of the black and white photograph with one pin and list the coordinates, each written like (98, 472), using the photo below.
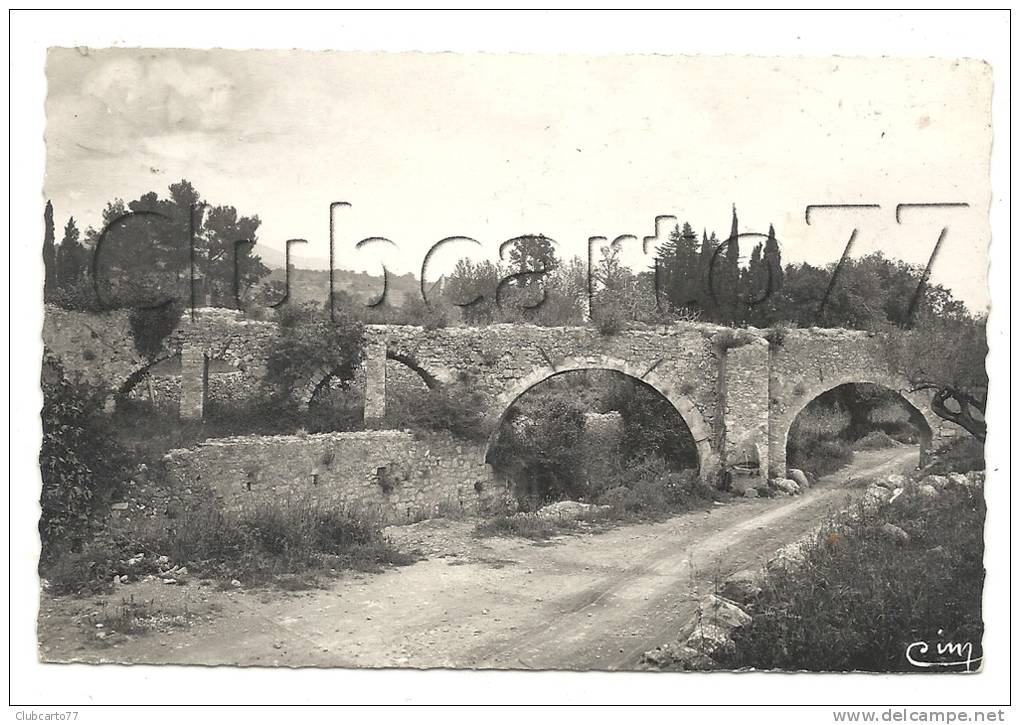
(665, 363)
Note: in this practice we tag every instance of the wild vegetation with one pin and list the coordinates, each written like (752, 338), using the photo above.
(861, 596)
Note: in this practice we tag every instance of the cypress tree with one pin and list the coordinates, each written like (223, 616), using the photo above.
(729, 278)
(773, 264)
(49, 252)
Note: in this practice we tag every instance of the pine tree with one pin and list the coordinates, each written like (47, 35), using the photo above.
(679, 273)
(754, 288)
(687, 291)
(72, 257)
(708, 245)
(49, 252)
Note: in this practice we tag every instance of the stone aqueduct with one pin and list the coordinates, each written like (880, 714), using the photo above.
(738, 399)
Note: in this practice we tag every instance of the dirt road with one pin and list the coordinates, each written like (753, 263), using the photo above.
(585, 601)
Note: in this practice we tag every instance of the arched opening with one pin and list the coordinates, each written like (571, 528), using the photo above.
(852, 418)
(600, 436)
(330, 406)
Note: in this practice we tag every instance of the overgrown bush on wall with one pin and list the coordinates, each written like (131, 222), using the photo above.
(311, 347)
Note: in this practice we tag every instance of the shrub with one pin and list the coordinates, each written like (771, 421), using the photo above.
(959, 456)
(308, 344)
(648, 486)
(545, 459)
(820, 456)
(457, 408)
(80, 461)
(860, 599)
(776, 334)
(874, 440)
(732, 338)
(610, 321)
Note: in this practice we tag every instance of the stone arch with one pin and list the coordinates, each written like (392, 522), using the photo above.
(917, 405)
(701, 431)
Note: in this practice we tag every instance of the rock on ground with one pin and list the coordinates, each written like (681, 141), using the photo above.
(786, 485)
(894, 533)
(799, 477)
(742, 587)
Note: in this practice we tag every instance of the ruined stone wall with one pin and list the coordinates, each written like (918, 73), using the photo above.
(97, 347)
(400, 476)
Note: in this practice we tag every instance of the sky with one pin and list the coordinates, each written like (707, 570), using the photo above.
(429, 146)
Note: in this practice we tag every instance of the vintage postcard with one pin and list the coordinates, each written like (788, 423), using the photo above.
(514, 361)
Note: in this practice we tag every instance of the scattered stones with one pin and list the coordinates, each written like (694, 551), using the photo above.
(895, 480)
(799, 477)
(235, 583)
(706, 634)
(927, 490)
(163, 562)
(120, 506)
(750, 493)
(565, 510)
(136, 559)
(895, 533)
(169, 580)
(937, 482)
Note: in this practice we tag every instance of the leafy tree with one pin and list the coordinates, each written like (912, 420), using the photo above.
(473, 287)
(532, 259)
(147, 258)
(946, 356)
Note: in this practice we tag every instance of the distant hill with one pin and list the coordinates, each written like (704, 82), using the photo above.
(312, 285)
(275, 259)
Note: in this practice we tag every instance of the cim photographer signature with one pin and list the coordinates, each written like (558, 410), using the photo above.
(961, 652)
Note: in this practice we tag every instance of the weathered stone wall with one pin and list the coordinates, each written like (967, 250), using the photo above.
(96, 347)
(400, 476)
(746, 405)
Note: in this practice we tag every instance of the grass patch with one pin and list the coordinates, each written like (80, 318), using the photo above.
(860, 598)
(139, 617)
(525, 525)
(289, 543)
